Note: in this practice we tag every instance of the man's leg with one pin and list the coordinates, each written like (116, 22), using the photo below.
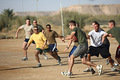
(52, 55)
(37, 58)
(42, 53)
(99, 67)
(25, 51)
(71, 63)
(111, 61)
(118, 60)
(89, 67)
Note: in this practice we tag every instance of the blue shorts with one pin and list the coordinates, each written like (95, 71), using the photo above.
(26, 40)
(73, 49)
(52, 47)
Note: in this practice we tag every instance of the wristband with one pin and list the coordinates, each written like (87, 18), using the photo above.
(67, 47)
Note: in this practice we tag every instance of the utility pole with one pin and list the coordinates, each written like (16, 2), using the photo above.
(62, 19)
(36, 8)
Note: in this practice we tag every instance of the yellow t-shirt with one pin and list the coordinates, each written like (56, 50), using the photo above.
(39, 40)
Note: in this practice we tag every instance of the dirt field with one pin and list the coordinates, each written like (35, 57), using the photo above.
(12, 68)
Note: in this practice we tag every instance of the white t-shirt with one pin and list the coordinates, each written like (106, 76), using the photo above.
(28, 30)
(96, 37)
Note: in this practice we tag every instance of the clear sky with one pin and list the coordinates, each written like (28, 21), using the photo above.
(47, 5)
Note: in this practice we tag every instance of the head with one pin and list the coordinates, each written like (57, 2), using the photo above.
(34, 22)
(96, 27)
(36, 30)
(48, 27)
(28, 21)
(77, 24)
(72, 24)
(93, 23)
(111, 23)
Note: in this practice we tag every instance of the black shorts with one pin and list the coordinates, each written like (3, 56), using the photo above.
(26, 40)
(102, 50)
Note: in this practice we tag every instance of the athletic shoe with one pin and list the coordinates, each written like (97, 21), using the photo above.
(87, 70)
(92, 70)
(24, 59)
(99, 68)
(116, 65)
(60, 63)
(107, 62)
(46, 58)
(66, 74)
(39, 65)
(59, 58)
(119, 71)
(113, 69)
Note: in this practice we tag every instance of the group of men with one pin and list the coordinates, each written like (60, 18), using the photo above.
(99, 45)
(45, 42)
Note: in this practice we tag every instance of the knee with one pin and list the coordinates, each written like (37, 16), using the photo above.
(88, 55)
(23, 48)
(83, 62)
(36, 54)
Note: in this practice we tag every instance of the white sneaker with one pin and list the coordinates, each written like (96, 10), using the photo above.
(99, 68)
(87, 70)
(60, 63)
(24, 59)
(46, 58)
(66, 74)
(113, 69)
(116, 65)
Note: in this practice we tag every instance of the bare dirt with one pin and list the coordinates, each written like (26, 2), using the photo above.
(12, 68)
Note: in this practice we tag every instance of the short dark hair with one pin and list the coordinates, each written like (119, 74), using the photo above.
(28, 19)
(72, 22)
(112, 21)
(96, 23)
(36, 27)
(48, 25)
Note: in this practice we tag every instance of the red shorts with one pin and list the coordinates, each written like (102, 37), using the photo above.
(118, 52)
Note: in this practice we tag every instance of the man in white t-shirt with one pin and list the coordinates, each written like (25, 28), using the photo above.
(28, 32)
(97, 47)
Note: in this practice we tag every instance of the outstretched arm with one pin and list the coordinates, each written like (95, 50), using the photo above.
(69, 44)
(104, 36)
(88, 37)
(44, 44)
(17, 32)
(70, 36)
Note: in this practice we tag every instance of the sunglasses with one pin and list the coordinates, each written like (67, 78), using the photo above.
(48, 27)
(35, 29)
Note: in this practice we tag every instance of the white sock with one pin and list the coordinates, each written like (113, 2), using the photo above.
(69, 72)
(97, 66)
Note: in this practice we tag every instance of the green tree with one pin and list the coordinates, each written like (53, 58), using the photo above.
(8, 13)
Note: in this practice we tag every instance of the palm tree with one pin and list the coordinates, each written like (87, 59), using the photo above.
(8, 13)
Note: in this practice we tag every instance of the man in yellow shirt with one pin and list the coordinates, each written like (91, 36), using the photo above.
(41, 44)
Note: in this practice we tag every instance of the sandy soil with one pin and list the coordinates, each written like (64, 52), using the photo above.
(12, 68)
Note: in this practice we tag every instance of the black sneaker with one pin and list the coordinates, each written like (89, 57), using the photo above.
(92, 71)
(39, 65)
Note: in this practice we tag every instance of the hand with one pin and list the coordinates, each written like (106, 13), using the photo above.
(42, 48)
(63, 40)
(110, 35)
(16, 36)
(26, 48)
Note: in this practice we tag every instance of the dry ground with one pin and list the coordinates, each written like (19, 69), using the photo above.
(12, 68)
